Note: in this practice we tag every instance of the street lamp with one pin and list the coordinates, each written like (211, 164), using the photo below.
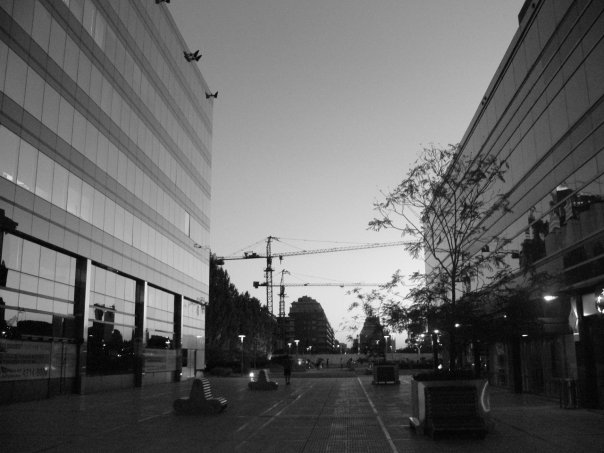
(241, 337)
(297, 341)
(386, 347)
(435, 333)
(289, 348)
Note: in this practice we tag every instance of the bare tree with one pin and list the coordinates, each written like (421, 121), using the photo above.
(444, 207)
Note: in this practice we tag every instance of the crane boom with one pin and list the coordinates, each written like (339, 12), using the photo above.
(254, 255)
(258, 284)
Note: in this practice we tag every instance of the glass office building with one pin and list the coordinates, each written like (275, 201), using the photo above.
(543, 112)
(105, 165)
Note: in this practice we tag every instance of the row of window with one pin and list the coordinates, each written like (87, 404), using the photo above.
(36, 20)
(551, 82)
(94, 23)
(40, 281)
(49, 180)
(556, 94)
(27, 88)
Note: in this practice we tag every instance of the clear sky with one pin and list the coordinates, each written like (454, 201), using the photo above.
(322, 105)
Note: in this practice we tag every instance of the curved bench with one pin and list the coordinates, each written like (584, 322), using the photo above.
(263, 383)
(200, 400)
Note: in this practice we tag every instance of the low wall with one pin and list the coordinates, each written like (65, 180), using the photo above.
(336, 359)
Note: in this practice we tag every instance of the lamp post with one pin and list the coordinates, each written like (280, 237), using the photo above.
(435, 348)
(386, 347)
(297, 341)
(241, 337)
(419, 346)
(289, 348)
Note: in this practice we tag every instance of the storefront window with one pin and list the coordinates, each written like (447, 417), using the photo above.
(110, 323)
(160, 319)
(32, 307)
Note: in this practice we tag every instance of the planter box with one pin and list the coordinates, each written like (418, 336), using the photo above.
(384, 374)
(474, 394)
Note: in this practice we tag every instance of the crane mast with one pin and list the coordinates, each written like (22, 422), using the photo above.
(282, 295)
(268, 274)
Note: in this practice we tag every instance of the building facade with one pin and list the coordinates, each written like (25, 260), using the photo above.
(543, 113)
(105, 165)
(309, 325)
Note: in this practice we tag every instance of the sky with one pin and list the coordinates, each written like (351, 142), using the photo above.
(323, 106)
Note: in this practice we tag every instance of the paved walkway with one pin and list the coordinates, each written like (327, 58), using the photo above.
(324, 414)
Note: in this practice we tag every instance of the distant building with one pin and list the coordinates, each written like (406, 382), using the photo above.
(543, 112)
(310, 326)
(105, 163)
(371, 338)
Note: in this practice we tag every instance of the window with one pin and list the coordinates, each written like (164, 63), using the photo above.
(28, 162)
(59, 187)
(86, 208)
(65, 120)
(187, 225)
(34, 93)
(111, 323)
(44, 177)
(56, 49)
(72, 54)
(78, 139)
(16, 75)
(50, 108)
(160, 319)
(9, 153)
(41, 26)
(74, 195)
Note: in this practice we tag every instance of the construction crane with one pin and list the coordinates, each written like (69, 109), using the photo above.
(268, 271)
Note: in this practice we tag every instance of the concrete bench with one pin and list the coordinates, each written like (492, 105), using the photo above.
(453, 409)
(263, 382)
(200, 400)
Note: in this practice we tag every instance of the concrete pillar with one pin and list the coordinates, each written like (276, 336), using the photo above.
(140, 321)
(82, 314)
(178, 300)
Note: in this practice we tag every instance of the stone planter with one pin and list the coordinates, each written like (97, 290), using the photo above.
(479, 399)
(385, 374)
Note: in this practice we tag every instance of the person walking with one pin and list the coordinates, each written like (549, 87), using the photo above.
(287, 369)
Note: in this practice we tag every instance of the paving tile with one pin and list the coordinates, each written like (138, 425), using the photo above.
(317, 413)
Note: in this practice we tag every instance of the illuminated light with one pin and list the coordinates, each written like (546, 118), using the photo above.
(600, 303)
(436, 331)
(484, 398)
(457, 325)
(440, 367)
(525, 335)
(549, 298)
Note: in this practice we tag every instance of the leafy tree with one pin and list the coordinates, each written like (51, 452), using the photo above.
(230, 314)
(443, 207)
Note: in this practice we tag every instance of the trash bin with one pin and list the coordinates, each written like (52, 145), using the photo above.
(568, 393)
